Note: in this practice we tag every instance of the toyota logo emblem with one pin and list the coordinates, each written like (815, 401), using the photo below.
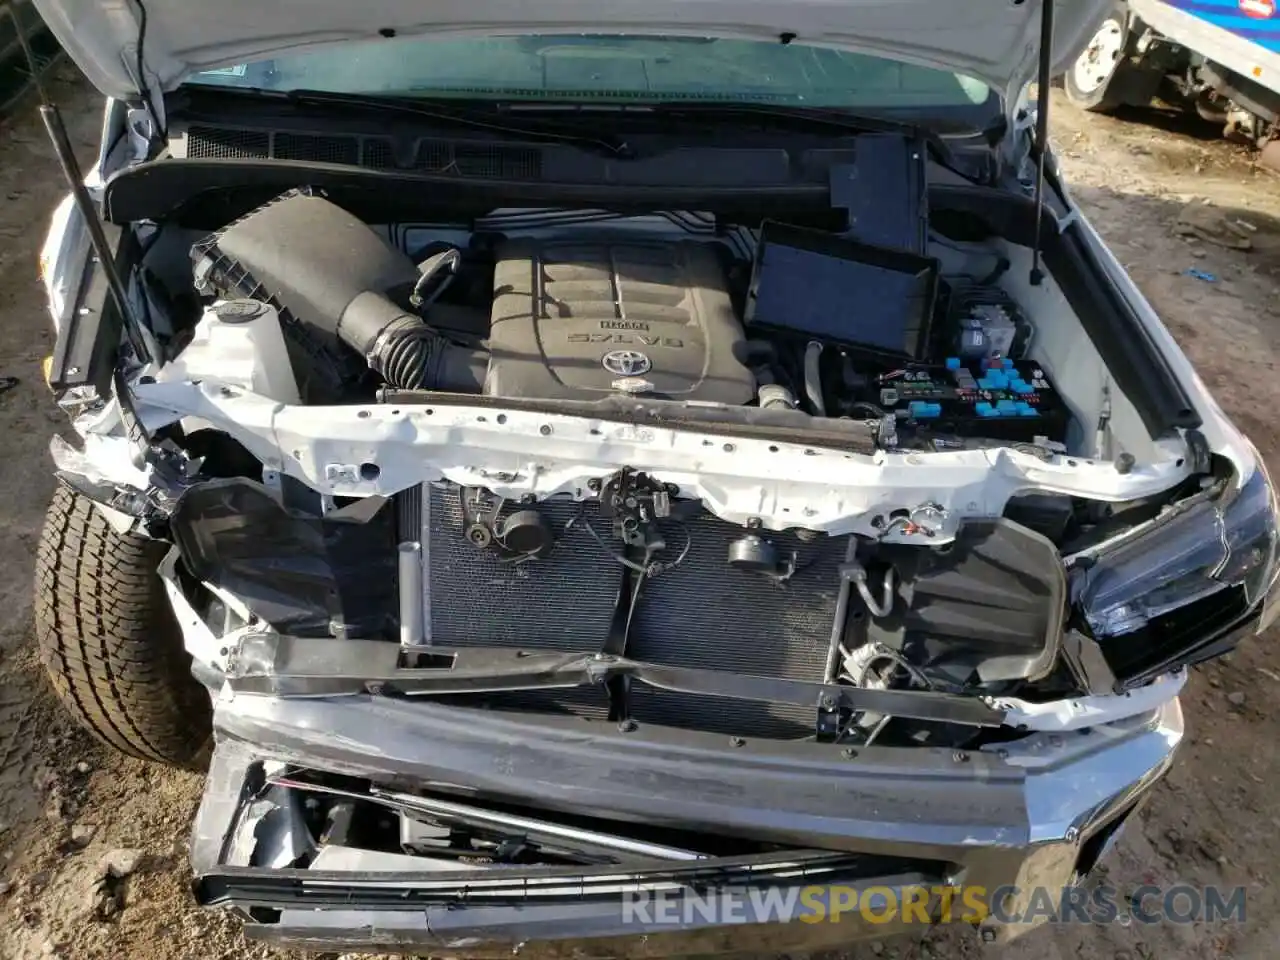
(626, 363)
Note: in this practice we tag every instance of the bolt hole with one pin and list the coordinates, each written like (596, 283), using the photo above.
(428, 411)
(729, 448)
(502, 418)
(899, 514)
(1179, 463)
(773, 448)
(363, 414)
(1072, 463)
(395, 413)
(370, 471)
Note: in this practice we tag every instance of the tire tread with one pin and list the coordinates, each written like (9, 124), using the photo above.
(109, 641)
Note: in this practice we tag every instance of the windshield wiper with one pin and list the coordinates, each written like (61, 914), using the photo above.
(476, 119)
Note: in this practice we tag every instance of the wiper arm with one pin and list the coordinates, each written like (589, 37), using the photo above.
(461, 117)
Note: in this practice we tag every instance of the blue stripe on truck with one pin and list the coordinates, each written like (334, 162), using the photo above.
(1232, 6)
(1227, 14)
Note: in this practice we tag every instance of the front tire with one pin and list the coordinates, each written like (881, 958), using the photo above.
(109, 640)
(1095, 81)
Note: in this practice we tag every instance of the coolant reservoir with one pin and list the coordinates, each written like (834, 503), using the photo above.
(239, 342)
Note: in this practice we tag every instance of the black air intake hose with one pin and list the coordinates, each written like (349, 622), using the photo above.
(403, 356)
(404, 351)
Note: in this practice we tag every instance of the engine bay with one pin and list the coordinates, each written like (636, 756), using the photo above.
(689, 446)
(779, 318)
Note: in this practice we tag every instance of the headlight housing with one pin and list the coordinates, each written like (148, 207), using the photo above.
(1171, 592)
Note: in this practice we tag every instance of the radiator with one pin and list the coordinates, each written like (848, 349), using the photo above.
(702, 613)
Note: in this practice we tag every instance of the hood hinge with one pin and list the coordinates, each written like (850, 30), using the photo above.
(153, 105)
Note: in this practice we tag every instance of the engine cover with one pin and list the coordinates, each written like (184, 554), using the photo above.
(575, 319)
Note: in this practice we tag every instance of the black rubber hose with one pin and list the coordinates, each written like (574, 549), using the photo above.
(403, 350)
(402, 356)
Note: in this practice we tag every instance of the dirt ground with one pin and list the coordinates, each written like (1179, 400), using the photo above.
(65, 803)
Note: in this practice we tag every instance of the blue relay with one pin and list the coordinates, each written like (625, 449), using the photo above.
(995, 398)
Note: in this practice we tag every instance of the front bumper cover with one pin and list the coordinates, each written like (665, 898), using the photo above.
(1026, 814)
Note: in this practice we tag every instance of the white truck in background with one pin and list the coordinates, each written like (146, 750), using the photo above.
(1220, 58)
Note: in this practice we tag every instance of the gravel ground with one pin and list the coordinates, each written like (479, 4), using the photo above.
(68, 808)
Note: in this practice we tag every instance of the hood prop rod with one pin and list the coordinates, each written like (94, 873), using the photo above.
(57, 130)
(1042, 129)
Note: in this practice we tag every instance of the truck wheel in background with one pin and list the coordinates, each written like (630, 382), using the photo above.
(1095, 80)
(109, 640)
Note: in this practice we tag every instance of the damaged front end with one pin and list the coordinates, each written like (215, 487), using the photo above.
(433, 826)
(445, 721)
(530, 589)
(512, 779)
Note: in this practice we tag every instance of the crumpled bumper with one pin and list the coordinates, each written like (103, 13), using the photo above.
(1032, 813)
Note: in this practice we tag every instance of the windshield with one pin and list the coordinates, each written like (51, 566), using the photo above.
(613, 69)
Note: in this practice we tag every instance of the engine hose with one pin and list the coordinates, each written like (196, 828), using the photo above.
(449, 260)
(813, 378)
(885, 606)
(404, 351)
(855, 573)
(402, 355)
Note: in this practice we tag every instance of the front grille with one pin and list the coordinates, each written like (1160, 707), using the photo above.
(701, 614)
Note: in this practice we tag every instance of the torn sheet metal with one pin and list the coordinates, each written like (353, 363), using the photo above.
(104, 474)
(272, 832)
